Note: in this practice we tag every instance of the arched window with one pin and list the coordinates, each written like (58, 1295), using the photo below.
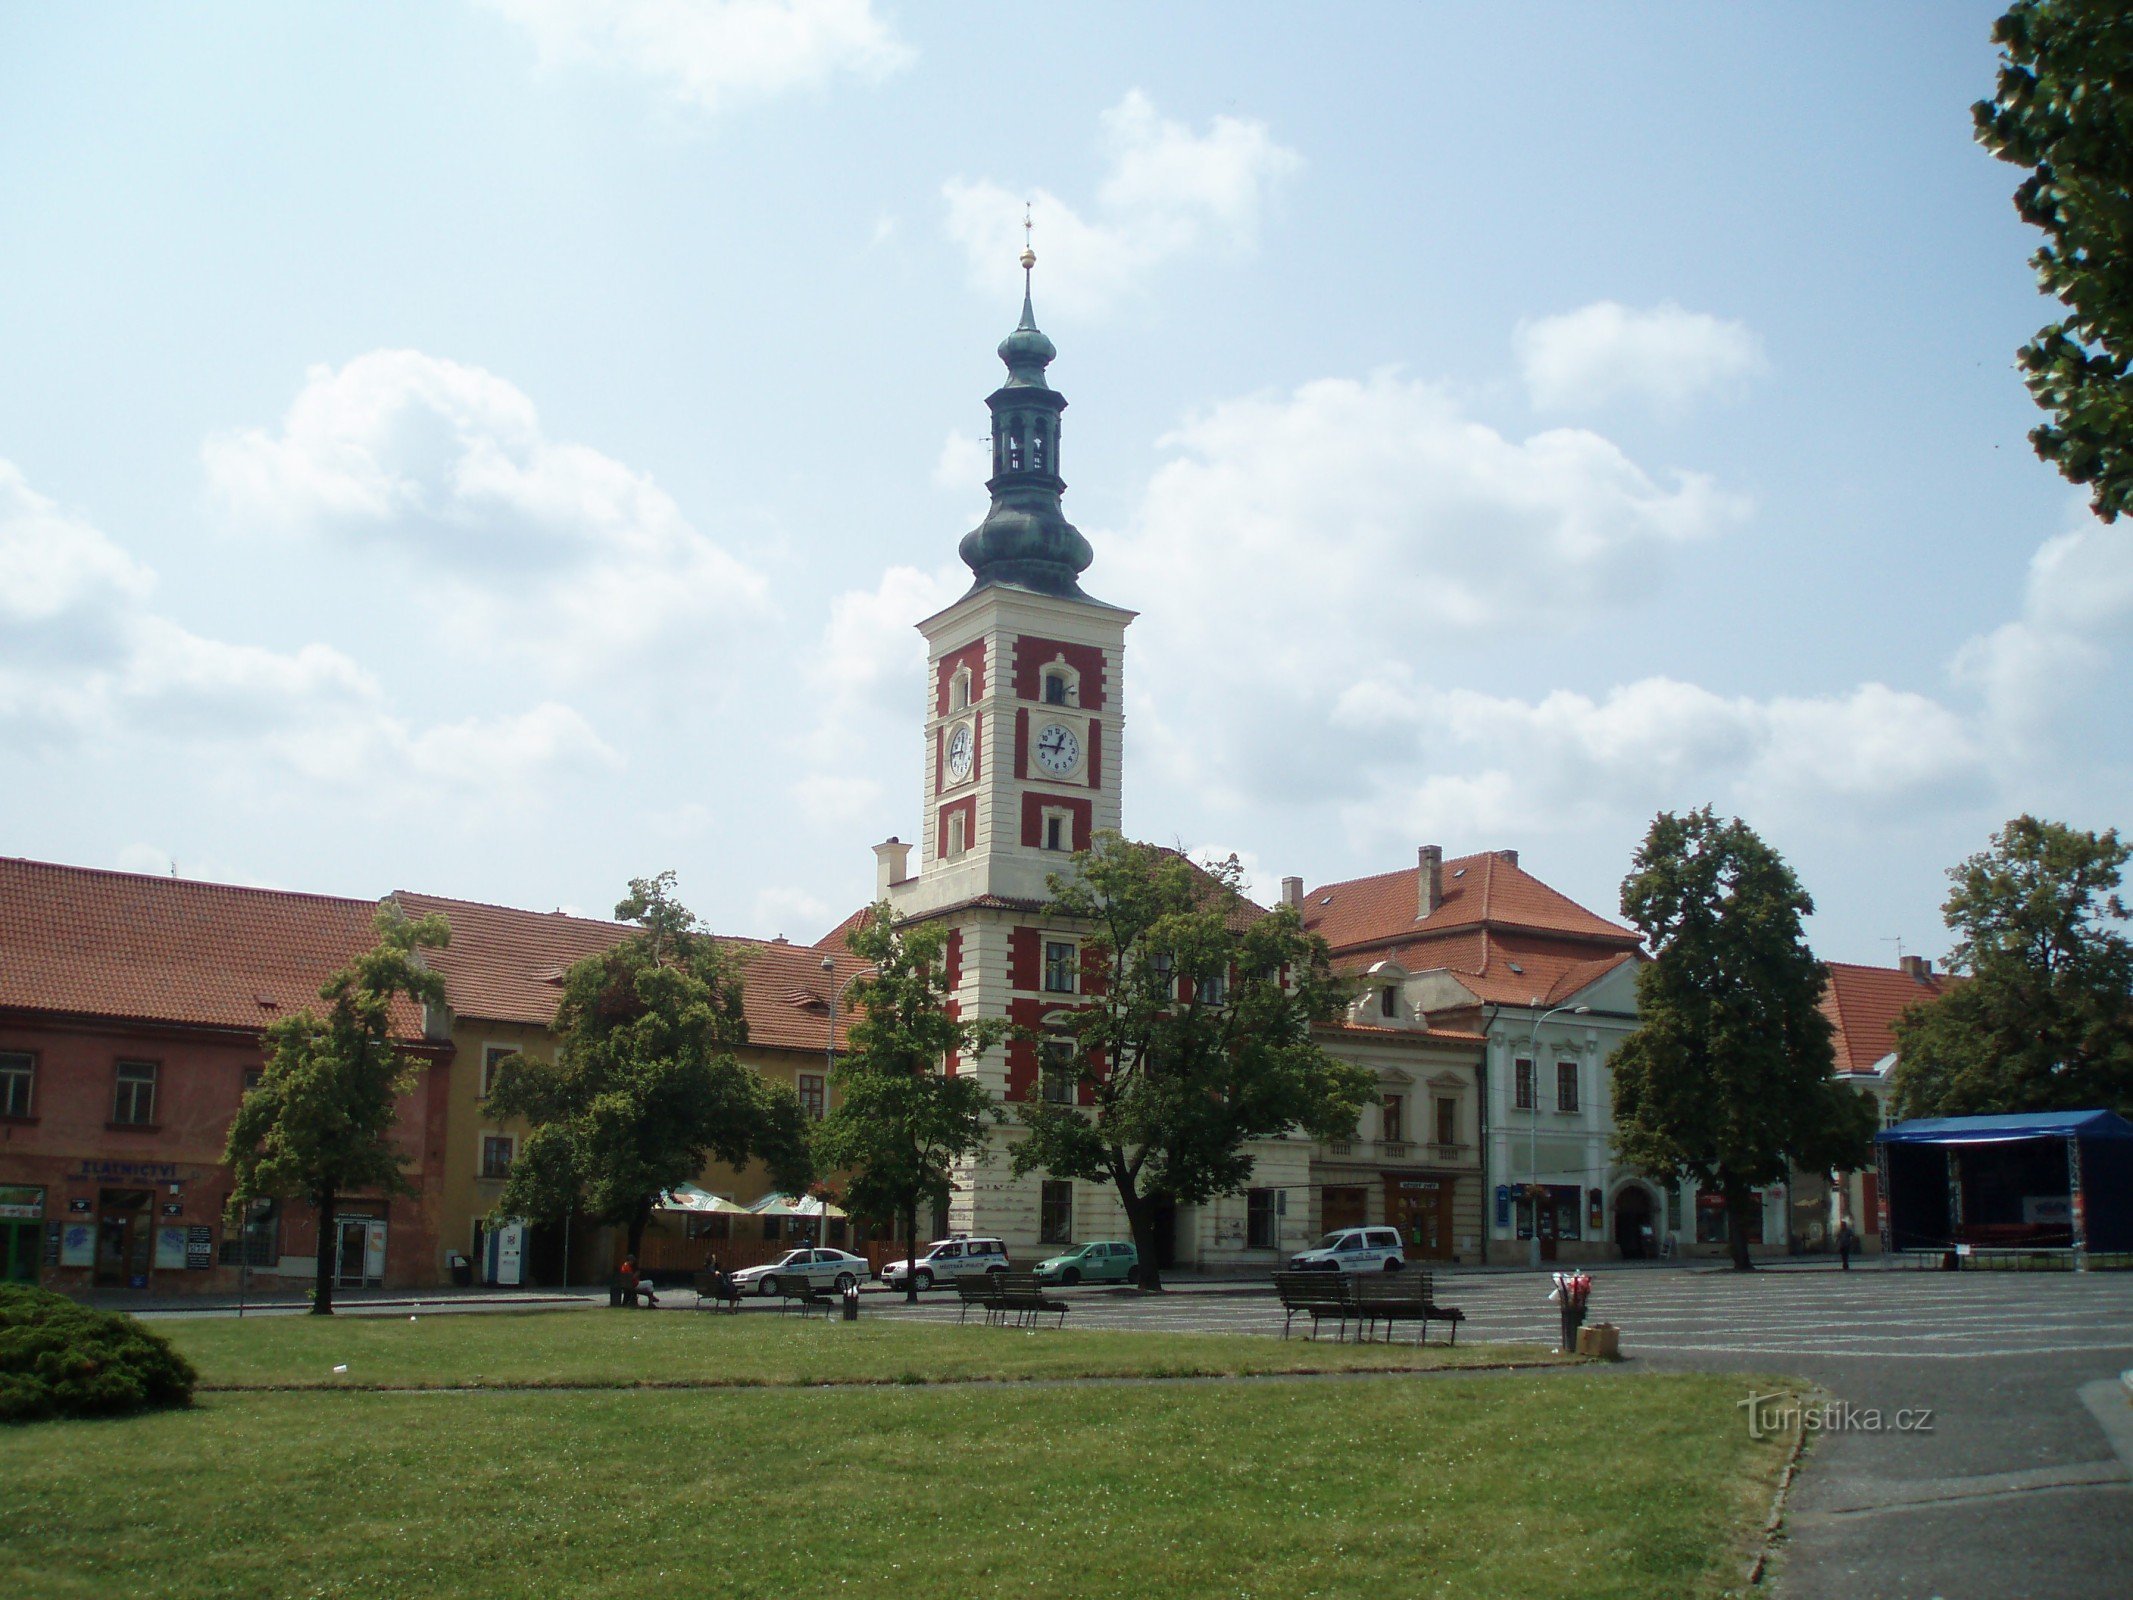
(1388, 1001)
(959, 689)
(1036, 443)
(1061, 686)
(1014, 446)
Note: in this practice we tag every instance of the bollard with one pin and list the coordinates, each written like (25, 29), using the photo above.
(851, 1302)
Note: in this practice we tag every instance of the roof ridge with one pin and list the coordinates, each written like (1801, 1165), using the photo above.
(211, 884)
(519, 911)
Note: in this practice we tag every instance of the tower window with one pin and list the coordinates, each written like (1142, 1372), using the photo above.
(1014, 446)
(1059, 966)
(1059, 686)
(957, 843)
(959, 689)
(1055, 830)
(1036, 444)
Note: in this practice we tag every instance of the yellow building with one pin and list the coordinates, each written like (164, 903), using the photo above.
(503, 975)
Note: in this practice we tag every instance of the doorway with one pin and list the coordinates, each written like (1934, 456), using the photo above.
(1634, 1231)
(1163, 1220)
(360, 1259)
(1421, 1208)
(124, 1238)
(1345, 1207)
(19, 1248)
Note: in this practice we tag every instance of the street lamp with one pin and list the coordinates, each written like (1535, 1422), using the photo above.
(1533, 1177)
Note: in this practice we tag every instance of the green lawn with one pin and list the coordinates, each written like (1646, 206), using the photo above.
(1583, 1484)
(622, 1349)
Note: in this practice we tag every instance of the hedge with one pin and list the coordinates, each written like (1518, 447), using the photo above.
(62, 1359)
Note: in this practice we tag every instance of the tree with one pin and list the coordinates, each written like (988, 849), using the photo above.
(901, 1121)
(318, 1126)
(1729, 1073)
(1195, 1039)
(2061, 108)
(2045, 1020)
(644, 1089)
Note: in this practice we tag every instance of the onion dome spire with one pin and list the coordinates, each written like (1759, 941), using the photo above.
(1025, 540)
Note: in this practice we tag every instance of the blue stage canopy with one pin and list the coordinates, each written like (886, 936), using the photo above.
(2082, 1125)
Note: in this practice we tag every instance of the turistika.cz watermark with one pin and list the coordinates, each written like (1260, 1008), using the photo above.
(1773, 1415)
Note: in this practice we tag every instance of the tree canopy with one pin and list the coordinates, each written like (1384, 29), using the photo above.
(2044, 1021)
(1194, 1036)
(2063, 107)
(644, 1090)
(901, 1121)
(318, 1125)
(1727, 1077)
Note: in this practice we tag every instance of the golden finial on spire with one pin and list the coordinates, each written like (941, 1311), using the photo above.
(1029, 256)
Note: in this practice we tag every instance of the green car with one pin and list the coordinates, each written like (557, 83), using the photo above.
(1105, 1261)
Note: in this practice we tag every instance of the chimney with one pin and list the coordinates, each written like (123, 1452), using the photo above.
(889, 858)
(1429, 888)
(1919, 967)
(1292, 892)
(1508, 857)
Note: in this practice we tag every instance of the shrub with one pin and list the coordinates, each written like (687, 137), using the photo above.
(60, 1359)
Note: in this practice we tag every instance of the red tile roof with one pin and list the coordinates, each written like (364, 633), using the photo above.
(144, 948)
(1863, 1002)
(1508, 938)
(1484, 890)
(506, 965)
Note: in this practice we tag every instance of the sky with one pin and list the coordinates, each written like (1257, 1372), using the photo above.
(501, 448)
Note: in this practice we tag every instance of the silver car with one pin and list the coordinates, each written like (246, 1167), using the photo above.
(825, 1269)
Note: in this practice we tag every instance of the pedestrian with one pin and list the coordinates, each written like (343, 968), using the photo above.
(1847, 1242)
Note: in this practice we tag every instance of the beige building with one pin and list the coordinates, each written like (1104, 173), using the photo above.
(503, 974)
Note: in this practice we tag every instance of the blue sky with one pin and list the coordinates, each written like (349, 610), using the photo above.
(501, 448)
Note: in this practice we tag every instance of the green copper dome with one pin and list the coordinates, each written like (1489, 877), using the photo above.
(1025, 541)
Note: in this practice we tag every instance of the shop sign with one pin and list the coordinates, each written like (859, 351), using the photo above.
(199, 1248)
(1503, 1205)
(77, 1245)
(155, 1171)
(174, 1208)
(21, 1202)
(80, 1208)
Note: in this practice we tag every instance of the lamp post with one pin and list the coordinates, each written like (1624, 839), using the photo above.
(1533, 1181)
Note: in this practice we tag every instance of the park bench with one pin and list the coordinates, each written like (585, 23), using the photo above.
(723, 1295)
(1391, 1297)
(976, 1291)
(798, 1294)
(1005, 1295)
(1021, 1295)
(1318, 1295)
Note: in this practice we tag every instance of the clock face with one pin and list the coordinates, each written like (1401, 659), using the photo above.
(1058, 750)
(960, 746)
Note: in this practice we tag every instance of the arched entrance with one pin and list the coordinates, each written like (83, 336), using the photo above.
(1635, 1235)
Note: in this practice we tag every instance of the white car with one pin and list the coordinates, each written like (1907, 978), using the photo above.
(831, 1269)
(948, 1259)
(1353, 1250)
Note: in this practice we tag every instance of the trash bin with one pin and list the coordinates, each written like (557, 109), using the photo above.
(462, 1271)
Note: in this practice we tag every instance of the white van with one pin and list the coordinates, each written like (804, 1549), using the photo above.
(1353, 1250)
(947, 1259)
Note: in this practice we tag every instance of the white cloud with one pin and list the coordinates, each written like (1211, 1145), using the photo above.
(868, 680)
(2076, 620)
(1352, 517)
(532, 542)
(89, 661)
(715, 52)
(1666, 356)
(1569, 758)
(800, 916)
(964, 464)
(1166, 191)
